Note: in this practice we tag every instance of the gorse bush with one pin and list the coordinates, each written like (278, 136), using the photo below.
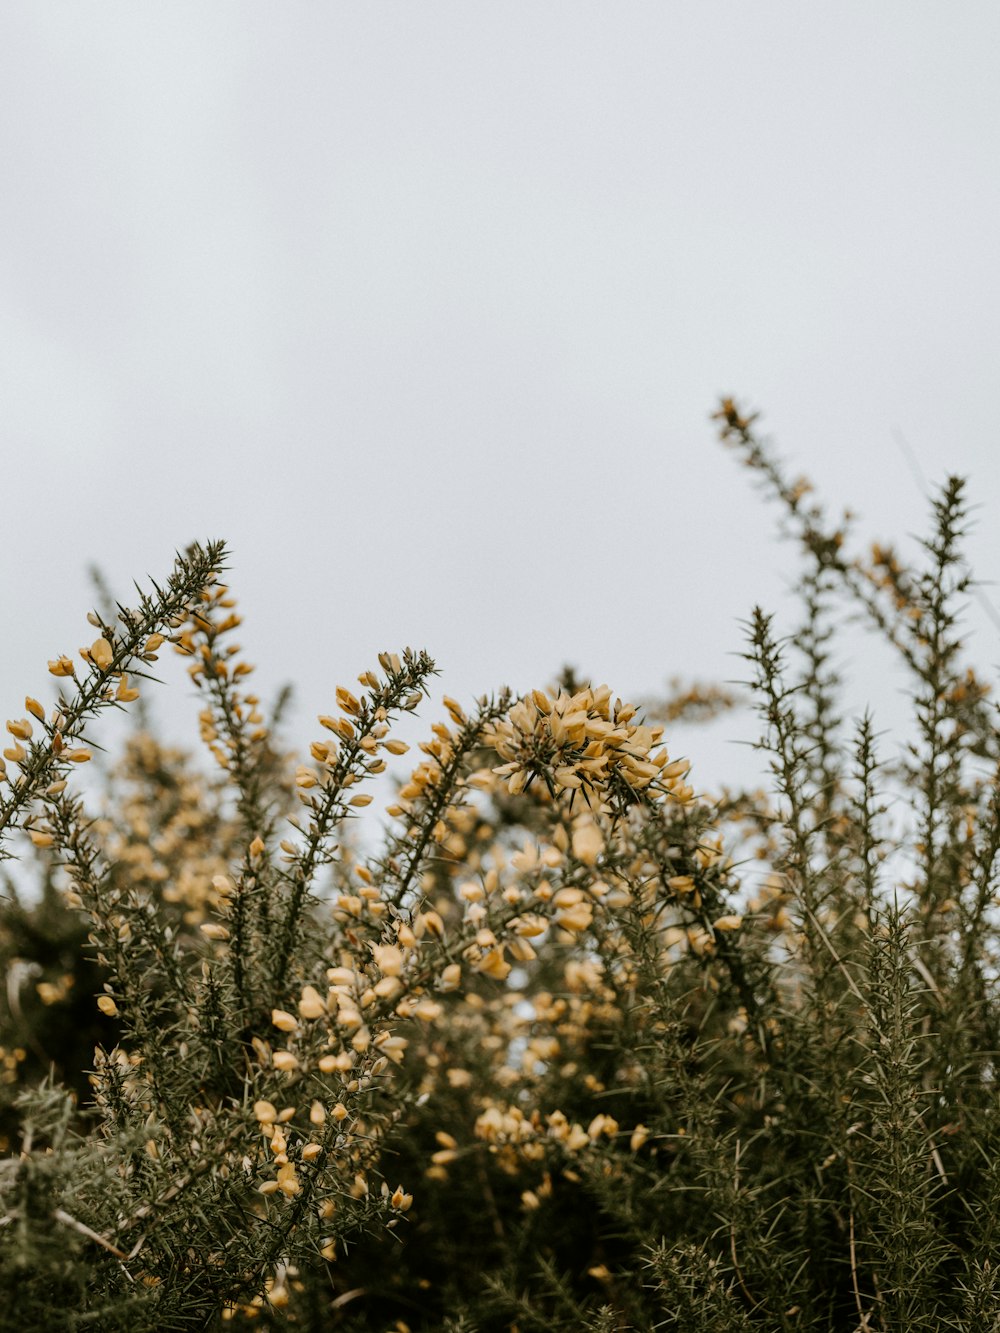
(579, 1047)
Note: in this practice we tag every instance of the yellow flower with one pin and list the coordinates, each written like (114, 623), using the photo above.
(347, 701)
(312, 1004)
(388, 959)
(576, 918)
(125, 693)
(577, 1138)
(492, 964)
(288, 1182)
(62, 666)
(588, 842)
(101, 653)
(733, 921)
(455, 709)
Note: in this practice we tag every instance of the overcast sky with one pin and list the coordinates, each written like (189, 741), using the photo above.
(423, 307)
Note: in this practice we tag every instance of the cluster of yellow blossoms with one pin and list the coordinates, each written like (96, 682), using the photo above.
(585, 743)
(513, 1135)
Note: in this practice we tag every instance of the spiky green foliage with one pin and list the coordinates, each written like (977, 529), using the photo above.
(576, 1048)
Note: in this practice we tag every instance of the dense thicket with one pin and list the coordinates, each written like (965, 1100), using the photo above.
(580, 1047)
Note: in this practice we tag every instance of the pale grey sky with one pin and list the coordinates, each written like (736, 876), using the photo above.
(424, 307)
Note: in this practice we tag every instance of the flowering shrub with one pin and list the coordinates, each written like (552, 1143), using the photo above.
(581, 1047)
